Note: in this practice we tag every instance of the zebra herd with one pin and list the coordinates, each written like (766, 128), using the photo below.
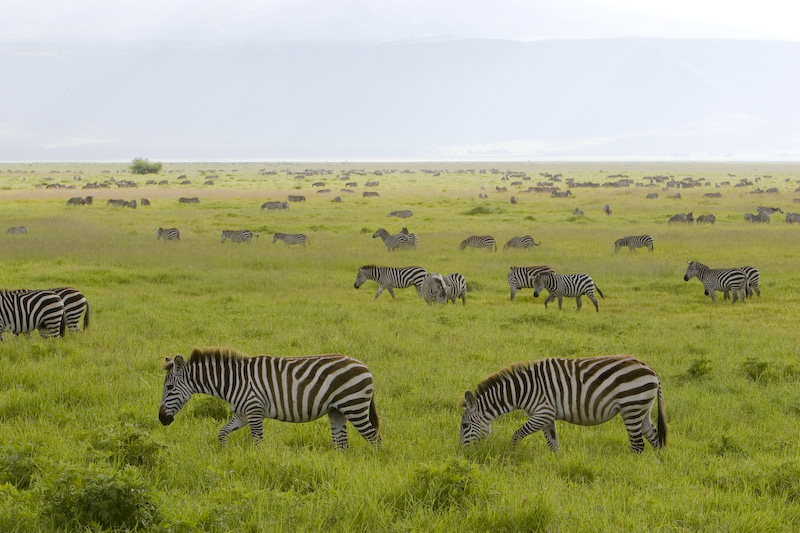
(741, 281)
(52, 312)
(237, 236)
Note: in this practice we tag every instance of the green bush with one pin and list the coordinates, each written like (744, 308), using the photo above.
(144, 166)
(17, 465)
(126, 445)
(483, 210)
(440, 487)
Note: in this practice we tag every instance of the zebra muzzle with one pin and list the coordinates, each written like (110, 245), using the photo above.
(164, 417)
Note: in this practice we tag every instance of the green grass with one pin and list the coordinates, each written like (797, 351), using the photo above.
(82, 447)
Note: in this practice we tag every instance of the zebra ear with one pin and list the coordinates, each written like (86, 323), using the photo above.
(178, 362)
(469, 401)
(168, 364)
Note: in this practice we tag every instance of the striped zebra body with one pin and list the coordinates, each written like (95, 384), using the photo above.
(569, 285)
(291, 238)
(18, 230)
(238, 235)
(792, 218)
(718, 279)
(607, 209)
(273, 206)
(75, 306)
(290, 389)
(390, 278)
(752, 282)
(168, 234)
(405, 213)
(21, 312)
(396, 241)
(585, 391)
(521, 242)
(769, 210)
(456, 288)
(479, 241)
(761, 218)
(434, 288)
(577, 212)
(706, 219)
(633, 242)
(296, 198)
(685, 218)
(522, 277)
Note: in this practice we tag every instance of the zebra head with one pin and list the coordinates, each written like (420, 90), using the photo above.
(176, 390)
(694, 269)
(361, 277)
(538, 284)
(474, 426)
(382, 233)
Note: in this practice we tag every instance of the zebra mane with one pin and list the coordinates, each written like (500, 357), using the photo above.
(216, 353)
(501, 376)
(367, 267)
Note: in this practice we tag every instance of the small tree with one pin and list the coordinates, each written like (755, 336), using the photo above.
(144, 166)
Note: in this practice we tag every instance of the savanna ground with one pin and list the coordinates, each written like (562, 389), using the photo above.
(82, 448)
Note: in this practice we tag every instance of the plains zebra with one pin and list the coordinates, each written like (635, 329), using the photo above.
(479, 241)
(168, 234)
(396, 241)
(391, 278)
(522, 277)
(652, 195)
(75, 306)
(586, 391)
(521, 242)
(434, 288)
(456, 287)
(291, 238)
(752, 282)
(607, 209)
(706, 219)
(291, 389)
(686, 218)
(405, 213)
(718, 279)
(244, 235)
(748, 217)
(193, 200)
(21, 312)
(18, 230)
(569, 285)
(761, 217)
(769, 210)
(633, 242)
(577, 212)
(273, 206)
(791, 218)
(296, 198)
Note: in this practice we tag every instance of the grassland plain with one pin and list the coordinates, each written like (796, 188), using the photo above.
(82, 449)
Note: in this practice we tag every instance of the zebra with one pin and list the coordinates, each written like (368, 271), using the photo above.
(401, 214)
(18, 230)
(577, 212)
(791, 218)
(769, 210)
(117, 203)
(396, 241)
(25, 311)
(752, 282)
(586, 391)
(193, 200)
(291, 389)
(238, 235)
(75, 303)
(569, 285)
(706, 219)
(168, 234)
(391, 278)
(633, 242)
(607, 209)
(298, 198)
(272, 206)
(718, 279)
(686, 218)
(761, 217)
(748, 217)
(521, 242)
(291, 238)
(522, 277)
(652, 195)
(434, 288)
(479, 241)
(456, 287)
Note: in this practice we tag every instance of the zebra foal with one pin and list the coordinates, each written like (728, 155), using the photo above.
(168, 234)
(585, 391)
(290, 389)
(633, 242)
(238, 235)
(718, 279)
(569, 285)
(18, 230)
(396, 241)
(521, 242)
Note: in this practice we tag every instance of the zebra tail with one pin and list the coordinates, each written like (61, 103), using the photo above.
(662, 419)
(62, 327)
(537, 243)
(86, 317)
(599, 292)
(374, 419)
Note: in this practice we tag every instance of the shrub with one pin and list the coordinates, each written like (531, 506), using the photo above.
(440, 487)
(126, 445)
(17, 465)
(527, 515)
(758, 370)
(144, 166)
(699, 368)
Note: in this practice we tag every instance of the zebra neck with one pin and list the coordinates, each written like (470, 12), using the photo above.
(492, 404)
(215, 380)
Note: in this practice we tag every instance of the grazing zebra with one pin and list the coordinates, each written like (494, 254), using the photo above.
(791, 218)
(479, 241)
(569, 285)
(685, 218)
(521, 242)
(401, 214)
(272, 206)
(434, 288)
(652, 195)
(117, 203)
(607, 209)
(367, 194)
(291, 389)
(18, 230)
(298, 198)
(748, 217)
(513, 200)
(291, 238)
(194, 200)
(238, 235)
(456, 288)
(168, 234)
(752, 282)
(769, 210)
(391, 278)
(706, 219)
(75, 304)
(761, 217)
(522, 277)
(586, 391)
(633, 242)
(25, 311)
(396, 241)
(577, 212)
(718, 279)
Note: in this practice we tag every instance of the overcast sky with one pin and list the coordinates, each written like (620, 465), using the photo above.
(70, 91)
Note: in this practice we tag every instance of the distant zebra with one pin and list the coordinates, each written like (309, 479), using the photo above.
(367, 194)
(401, 214)
(390, 278)
(291, 238)
(456, 287)
(769, 210)
(522, 277)
(521, 242)
(706, 219)
(577, 212)
(633, 242)
(21, 312)
(168, 234)
(748, 217)
(291, 389)
(585, 391)
(193, 200)
(685, 218)
(272, 206)
(607, 209)
(299, 198)
(18, 230)
(652, 195)
(791, 218)
(761, 218)
(117, 203)
(718, 279)
(479, 241)
(434, 288)
(238, 235)
(569, 285)
(396, 241)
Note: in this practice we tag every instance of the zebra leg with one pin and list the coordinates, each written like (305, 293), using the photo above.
(534, 424)
(650, 432)
(713, 294)
(560, 299)
(338, 428)
(727, 295)
(514, 293)
(634, 422)
(364, 425)
(235, 423)
(550, 436)
(594, 301)
(390, 292)
(578, 300)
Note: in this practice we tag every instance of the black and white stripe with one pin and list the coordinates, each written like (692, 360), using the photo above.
(434, 288)
(633, 242)
(75, 306)
(585, 391)
(456, 287)
(390, 278)
(396, 241)
(522, 277)
(404, 213)
(21, 312)
(521, 242)
(684, 218)
(718, 279)
(273, 206)
(479, 241)
(769, 210)
(18, 230)
(290, 389)
(244, 235)
(569, 285)
(752, 282)
(291, 238)
(168, 234)
(706, 219)
(791, 218)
